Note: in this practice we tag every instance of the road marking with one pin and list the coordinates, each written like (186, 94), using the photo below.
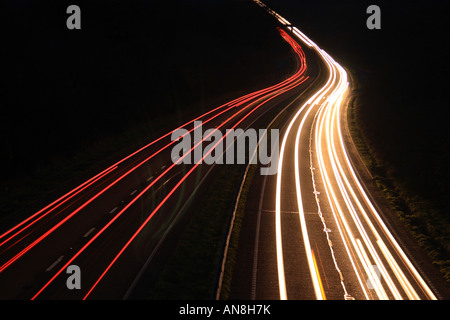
(149, 178)
(88, 233)
(256, 247)
(161, 240)
(315, 278)
(113, 210)
(133, 192)
(54, 263)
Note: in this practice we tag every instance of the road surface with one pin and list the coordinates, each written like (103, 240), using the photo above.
(315, 231)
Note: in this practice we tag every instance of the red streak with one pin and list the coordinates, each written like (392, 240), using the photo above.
(185, 177)
(173, 190)
(288, 83)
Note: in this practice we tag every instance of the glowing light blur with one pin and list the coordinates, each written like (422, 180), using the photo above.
(249, 103)
(361, 228)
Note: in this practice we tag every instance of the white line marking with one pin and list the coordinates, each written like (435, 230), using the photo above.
(54, 263)
(88, 233)
(133, 192)
(113, 210)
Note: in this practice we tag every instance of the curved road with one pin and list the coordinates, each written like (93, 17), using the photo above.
(127, 217)
(314, 230)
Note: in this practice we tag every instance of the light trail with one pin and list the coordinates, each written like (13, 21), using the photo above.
(25, 224)
(85, 204)
(279, 249)
(266, 95)
(366, 239)
(298, 50)
(230, 106)
(319, 281)
(309, 255)
(330, 131)
(63, 199)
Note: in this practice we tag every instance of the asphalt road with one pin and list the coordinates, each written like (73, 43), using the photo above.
(320, 229)
(317, 229)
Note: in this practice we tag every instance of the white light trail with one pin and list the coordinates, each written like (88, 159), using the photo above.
(361, 228)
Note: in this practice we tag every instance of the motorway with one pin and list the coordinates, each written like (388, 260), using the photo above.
(121, 221)
(314, 231)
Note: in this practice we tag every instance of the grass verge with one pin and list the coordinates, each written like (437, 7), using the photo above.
(421, 217)
(235, 234)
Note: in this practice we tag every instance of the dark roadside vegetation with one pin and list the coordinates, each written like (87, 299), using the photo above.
(401, 106)
(77, 101)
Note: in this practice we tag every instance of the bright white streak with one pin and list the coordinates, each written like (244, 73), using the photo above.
(334, 101)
